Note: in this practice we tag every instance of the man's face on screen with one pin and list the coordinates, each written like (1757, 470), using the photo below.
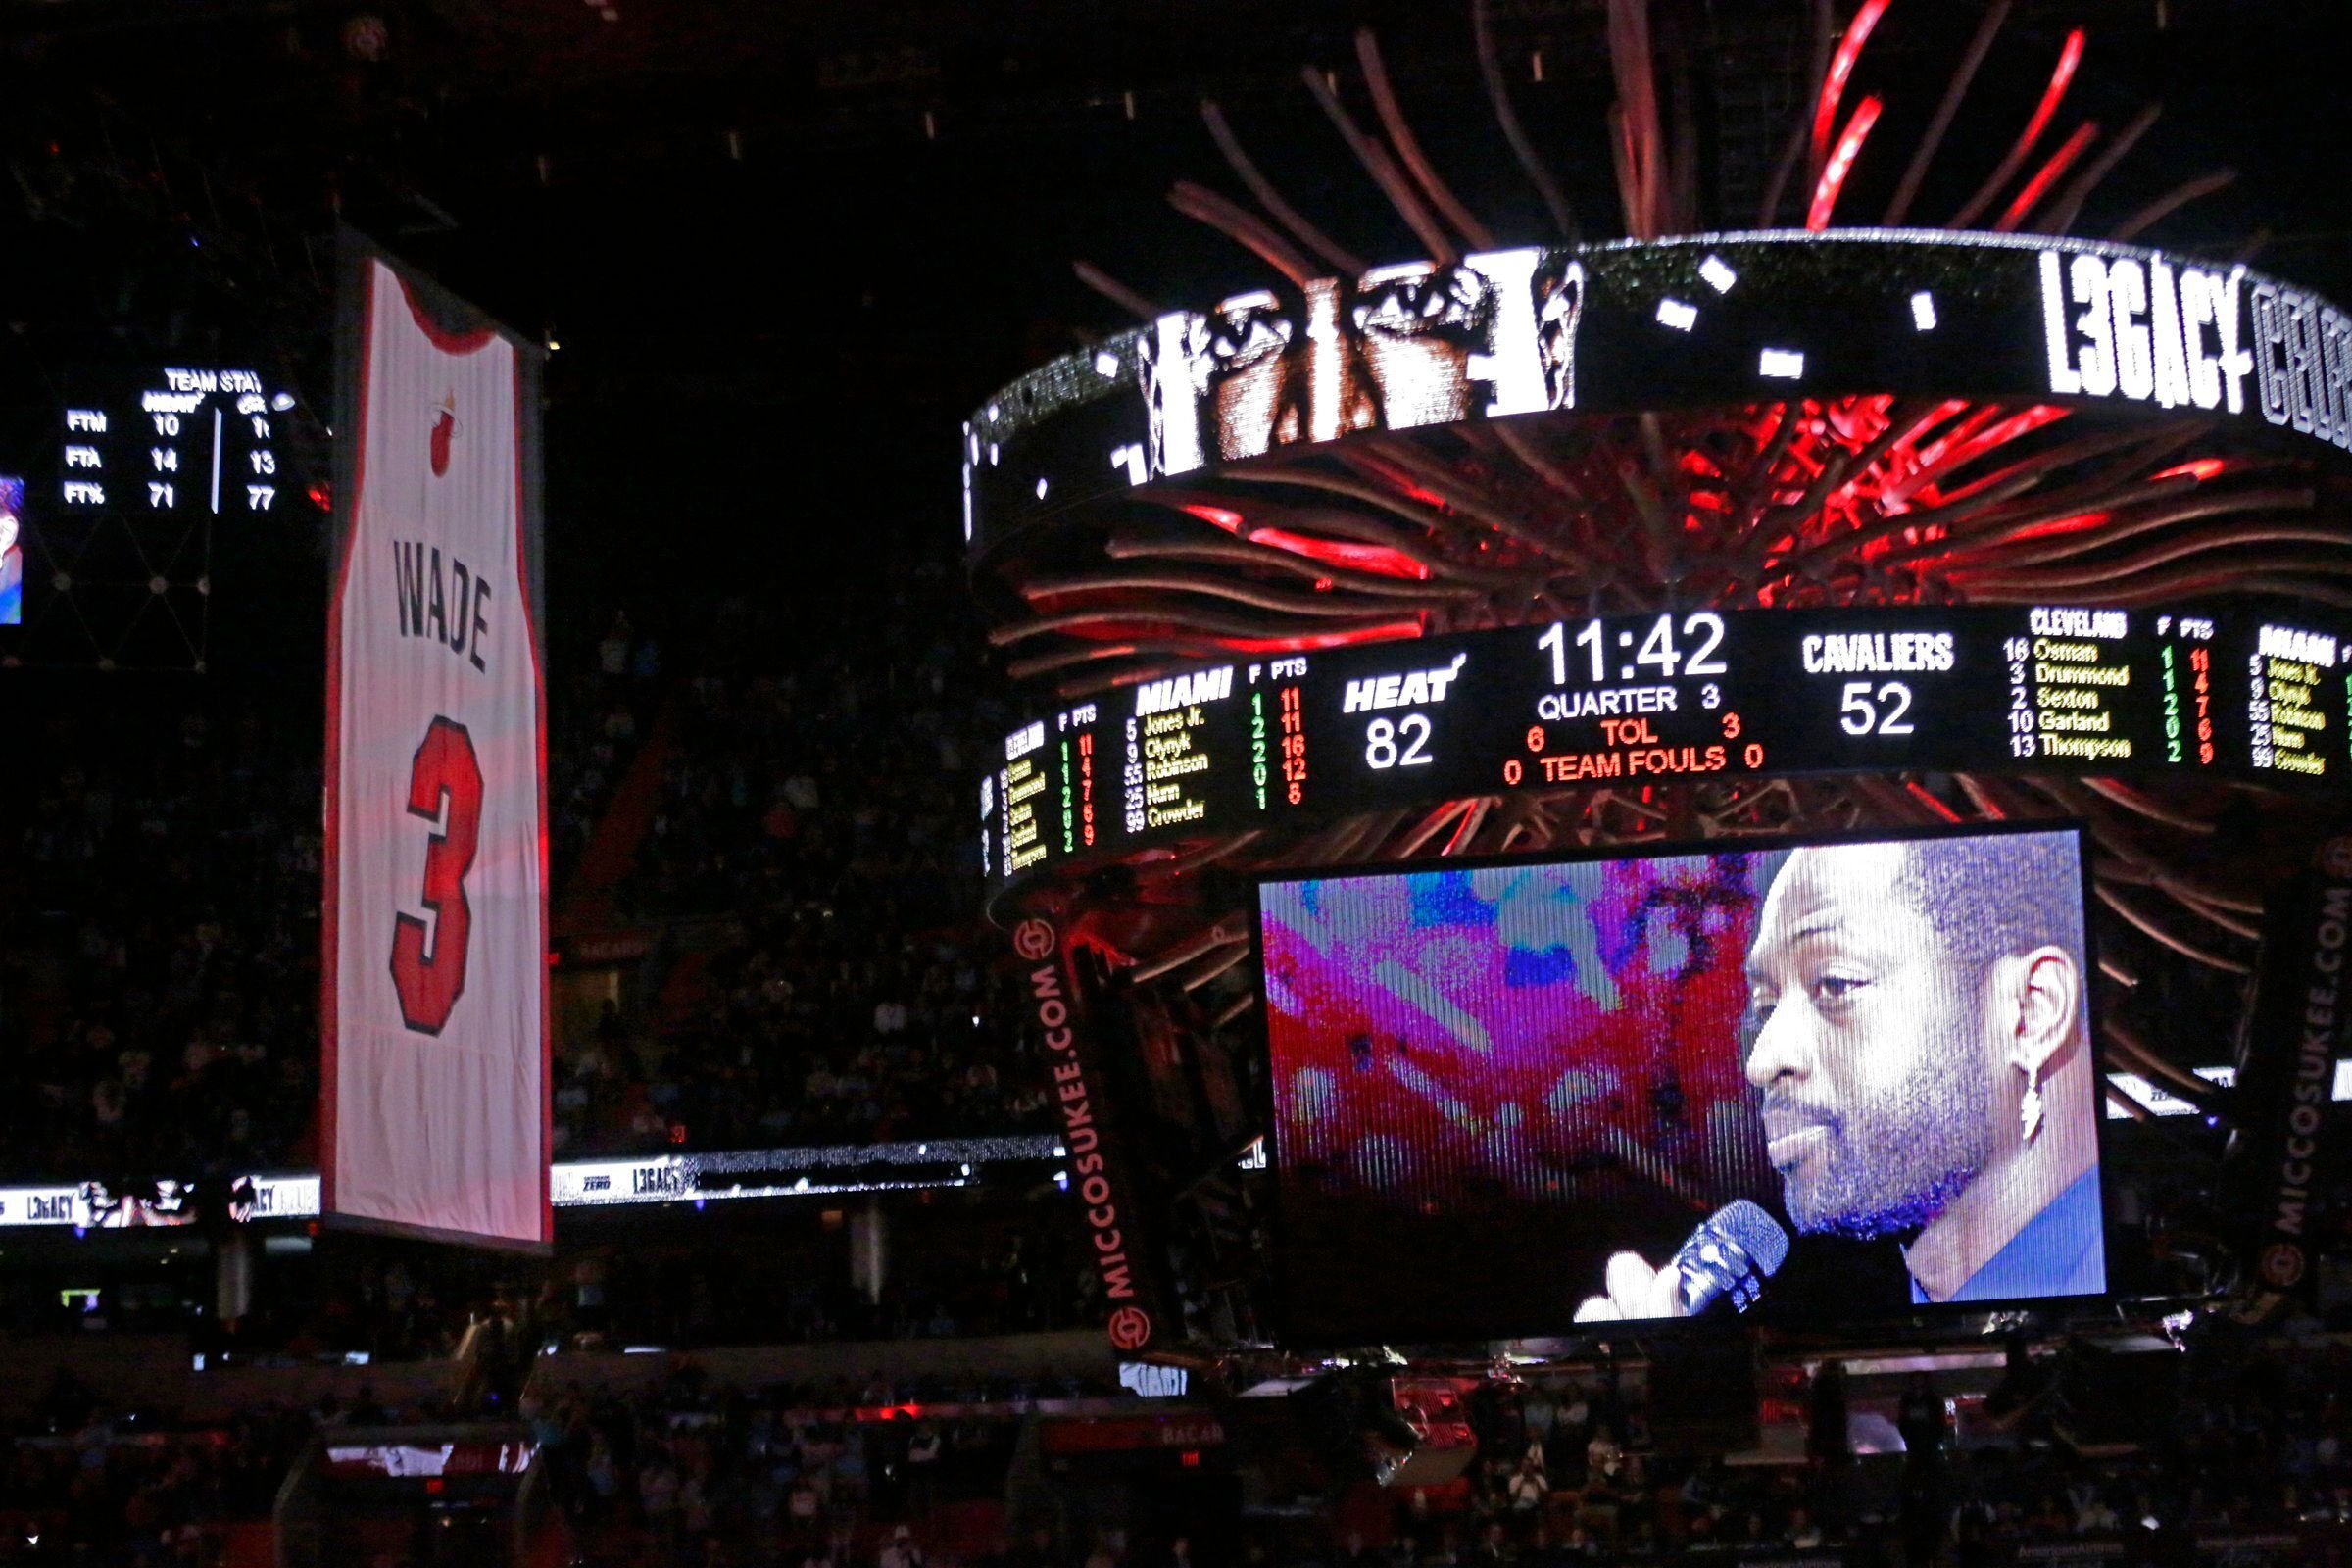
(1249, 352)
(1280, 372)
(1419, 324)
(1867, 1045)
(1393, 352)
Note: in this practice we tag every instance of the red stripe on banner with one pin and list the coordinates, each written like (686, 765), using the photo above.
(330, 974)
(441, 337)
(547, 1041)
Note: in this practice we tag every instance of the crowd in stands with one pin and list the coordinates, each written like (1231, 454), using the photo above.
(791, 1048)
(802, 1475)
(673, 1475)
(94, 1485)
(595, 716)
(811, 800)
(157, 993)
(1006, 1267)
(2241, 1435)
(994, 1263)
(809, 864)
(1010, 1267)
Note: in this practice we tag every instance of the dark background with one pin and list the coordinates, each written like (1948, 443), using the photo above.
(782, 251)
(779, 253)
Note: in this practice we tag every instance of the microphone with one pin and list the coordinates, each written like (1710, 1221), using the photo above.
(1729, 1257)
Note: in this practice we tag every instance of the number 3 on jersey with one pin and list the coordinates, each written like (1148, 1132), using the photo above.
(445, 772)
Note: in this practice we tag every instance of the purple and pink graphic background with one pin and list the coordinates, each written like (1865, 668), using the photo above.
(1543, 1033)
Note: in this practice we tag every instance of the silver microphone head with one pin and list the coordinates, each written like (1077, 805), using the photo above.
(1758, 1234)
(1730, 1256)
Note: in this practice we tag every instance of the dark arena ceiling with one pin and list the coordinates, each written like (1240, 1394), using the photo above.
(688, 195)
(447, 126)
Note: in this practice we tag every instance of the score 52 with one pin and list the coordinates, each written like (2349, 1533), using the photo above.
(1876, 705)
(1885, 711)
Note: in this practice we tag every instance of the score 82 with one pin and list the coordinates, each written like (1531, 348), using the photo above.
(1401, 744)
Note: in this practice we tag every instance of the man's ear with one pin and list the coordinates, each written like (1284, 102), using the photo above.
(2042, 997)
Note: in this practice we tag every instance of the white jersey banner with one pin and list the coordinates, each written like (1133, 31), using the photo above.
(434, 1118)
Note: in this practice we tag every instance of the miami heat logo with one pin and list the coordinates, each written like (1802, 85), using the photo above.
(445, 425)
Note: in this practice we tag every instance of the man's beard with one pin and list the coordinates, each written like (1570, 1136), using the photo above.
(1890, 1165)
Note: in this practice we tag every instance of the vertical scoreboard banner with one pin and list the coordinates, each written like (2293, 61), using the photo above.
(2300, 1023)
(434, 1118)
(1063, 986)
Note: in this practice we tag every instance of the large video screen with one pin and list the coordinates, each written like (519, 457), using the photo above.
(12, 551)
(1699, 321)
(1817, 1083)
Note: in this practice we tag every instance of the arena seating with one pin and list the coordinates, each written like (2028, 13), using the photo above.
(160, 1028)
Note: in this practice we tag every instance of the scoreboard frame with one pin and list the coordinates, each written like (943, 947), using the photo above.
(2240, 690)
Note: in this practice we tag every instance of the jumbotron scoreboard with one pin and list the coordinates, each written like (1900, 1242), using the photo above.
(2233, 690)
(172, 441)
(2238, 689)
(136, 467)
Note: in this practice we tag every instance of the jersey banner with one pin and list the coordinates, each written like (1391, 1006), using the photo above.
(434, 1116)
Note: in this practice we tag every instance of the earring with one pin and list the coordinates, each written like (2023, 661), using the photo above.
(2030, 1110)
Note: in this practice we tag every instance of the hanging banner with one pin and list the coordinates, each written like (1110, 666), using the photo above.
(434, 1118)
(1065, 987)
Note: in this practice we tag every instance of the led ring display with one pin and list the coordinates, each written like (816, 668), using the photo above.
(2240, 690)
(1638, 325)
